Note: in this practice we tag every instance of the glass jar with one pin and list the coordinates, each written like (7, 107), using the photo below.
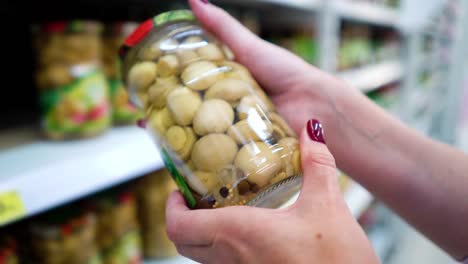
(123, 112)
(73, 91)
(64, 236)
(118, 233)
(8, 249)
(218, 133)
(153, 191)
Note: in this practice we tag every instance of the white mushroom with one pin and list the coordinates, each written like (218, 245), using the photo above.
(244, 132)
(201, 75)
(259, 162)
(210, 52)
(214, 152)
(168, 65)
(183, 104)
(230, 90)
(158, 92)
(142, 75)
(213, 116)
(160, 121)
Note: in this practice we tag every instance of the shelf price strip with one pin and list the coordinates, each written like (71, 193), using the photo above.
(11, 207)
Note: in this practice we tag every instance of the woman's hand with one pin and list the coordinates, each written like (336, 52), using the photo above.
(318, 228)
(296, 87)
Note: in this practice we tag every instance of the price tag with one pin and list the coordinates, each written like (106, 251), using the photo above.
(11, 206)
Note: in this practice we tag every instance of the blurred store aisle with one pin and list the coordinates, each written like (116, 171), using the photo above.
(414, 248)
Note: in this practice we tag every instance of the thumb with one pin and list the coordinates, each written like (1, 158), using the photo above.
(318, 166)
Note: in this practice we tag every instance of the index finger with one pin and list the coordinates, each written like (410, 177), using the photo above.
(189, 227)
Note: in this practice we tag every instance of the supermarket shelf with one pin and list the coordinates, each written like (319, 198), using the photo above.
(46, 174)
(369, 78)
(303, 5)
(345, 9)
(176, 260)
(367, 13)
(357, 198)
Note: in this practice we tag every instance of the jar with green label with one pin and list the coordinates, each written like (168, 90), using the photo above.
(73, 91)
(218, 133)
(123, 112)
(153, 191)
(64, 236)
(8, 249)
(118, 233)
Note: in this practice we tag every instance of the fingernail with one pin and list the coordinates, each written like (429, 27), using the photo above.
(315, 131)
(141, 123)
(205, 1)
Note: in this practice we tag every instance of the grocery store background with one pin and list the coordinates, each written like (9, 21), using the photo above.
(409, 56)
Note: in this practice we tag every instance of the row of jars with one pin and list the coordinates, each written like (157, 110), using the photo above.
(119, 226)
(78, 76)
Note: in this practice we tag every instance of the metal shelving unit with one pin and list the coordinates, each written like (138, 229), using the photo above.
(371, 77)
(42, 175)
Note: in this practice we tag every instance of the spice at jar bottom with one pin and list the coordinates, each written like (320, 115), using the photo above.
(218, 133)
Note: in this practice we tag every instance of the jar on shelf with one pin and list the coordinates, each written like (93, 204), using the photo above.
(64, 236)
(73, 91)
(217, 131)
(118, 234)
(153, 191)
(123, 112)
(8, 249)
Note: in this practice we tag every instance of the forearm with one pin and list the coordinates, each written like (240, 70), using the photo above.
(424, 181)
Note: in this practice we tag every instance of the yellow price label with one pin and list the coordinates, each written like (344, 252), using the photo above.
(11, 207)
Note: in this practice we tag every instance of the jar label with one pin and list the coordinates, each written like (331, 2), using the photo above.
(126, 250)
(79, 107)
(180, 181)
(130, 247)
(122, 109)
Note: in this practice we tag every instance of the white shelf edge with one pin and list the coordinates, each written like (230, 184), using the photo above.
(357, 198)
(371, 77)
(175, 260)
(304, 5)
(362, 12)
(368, 13)
(47, 174)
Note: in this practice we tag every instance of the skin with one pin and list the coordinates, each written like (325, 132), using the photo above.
(422, 180)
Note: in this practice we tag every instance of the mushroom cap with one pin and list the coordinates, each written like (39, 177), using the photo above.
(176, 137)
(183, 104)
(244, 132)
(287, 147)
(230, 90)
(160, 121)
(259, 162)
(158, 92)
(168, 65)
(213, 116)
(201, 75)
(210, 52)
(187, 56)
(214, 152)
(203, 182)
(151, 52)
(142, 75)
(280, 122)
(252, 104)
(186, 150)
(228, 53)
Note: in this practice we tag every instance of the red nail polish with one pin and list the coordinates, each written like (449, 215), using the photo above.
(315, 131)
(141, 123)
(205, 1)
